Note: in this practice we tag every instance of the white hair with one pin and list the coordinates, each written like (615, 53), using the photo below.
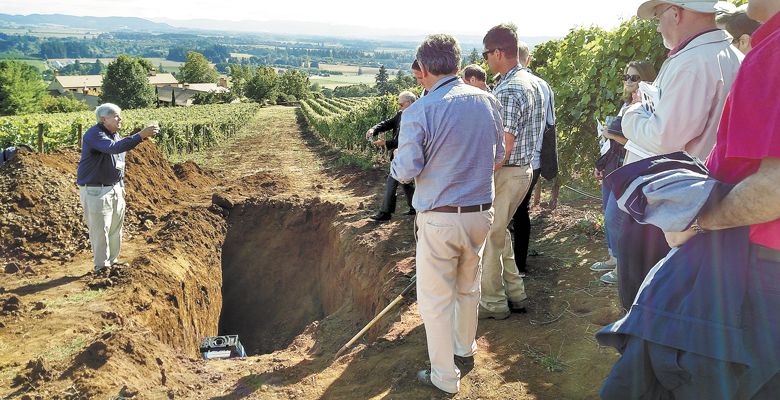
(106, 109)
(407, 96)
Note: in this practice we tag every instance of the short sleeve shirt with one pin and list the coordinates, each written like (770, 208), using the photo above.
(749, 130)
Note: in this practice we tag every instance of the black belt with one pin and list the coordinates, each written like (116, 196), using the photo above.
(99, 185)
(466, 209)
(767, 253)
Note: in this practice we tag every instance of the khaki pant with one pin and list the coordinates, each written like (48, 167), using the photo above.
(449, 250)
(500, 277)
(104, 214)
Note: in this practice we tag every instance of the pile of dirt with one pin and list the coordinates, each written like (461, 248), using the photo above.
(40, 212)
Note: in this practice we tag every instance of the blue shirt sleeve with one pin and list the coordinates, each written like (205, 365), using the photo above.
(104, 144)
(410, 160)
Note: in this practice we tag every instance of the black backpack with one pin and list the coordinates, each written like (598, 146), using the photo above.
(548, 156)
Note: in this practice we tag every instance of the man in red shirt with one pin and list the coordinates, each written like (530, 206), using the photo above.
(747, 154)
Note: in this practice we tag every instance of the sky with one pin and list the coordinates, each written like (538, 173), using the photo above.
(533, 18)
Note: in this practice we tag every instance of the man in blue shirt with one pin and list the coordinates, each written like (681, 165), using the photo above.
(100, 179)
(448, 144)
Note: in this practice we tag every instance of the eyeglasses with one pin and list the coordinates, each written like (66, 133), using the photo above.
(632, 78)
(657, 16)
(486, 52)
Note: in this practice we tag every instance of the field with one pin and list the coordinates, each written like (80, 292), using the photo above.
(267, 237)
(53, 32)
(350, 75)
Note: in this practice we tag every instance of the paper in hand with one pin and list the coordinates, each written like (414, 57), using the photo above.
(650, 95)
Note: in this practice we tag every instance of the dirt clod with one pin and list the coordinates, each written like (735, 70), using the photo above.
(36, 371)
(11, 268)
(9, 304)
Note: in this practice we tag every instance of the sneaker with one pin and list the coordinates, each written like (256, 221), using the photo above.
(381, 216)
(424, 377)
(485, 314)
(608, 265)
(610, 277)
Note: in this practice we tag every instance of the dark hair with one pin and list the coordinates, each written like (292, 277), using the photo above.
(440, 54)
(646, 73)
(504, 37)
(416, 66)
(739, 24)
(474, 70)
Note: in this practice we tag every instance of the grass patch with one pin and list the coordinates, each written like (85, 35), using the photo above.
(59, 353)
(548, 361)
(76, 298)
(356, 160)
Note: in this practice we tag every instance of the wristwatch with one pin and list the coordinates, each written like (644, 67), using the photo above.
(696, 227)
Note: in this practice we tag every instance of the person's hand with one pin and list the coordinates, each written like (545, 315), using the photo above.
(149, 131)
(380, 142)
(604, 131)
(677, 239)
(498, 166)
(636, 97)
(369, 133)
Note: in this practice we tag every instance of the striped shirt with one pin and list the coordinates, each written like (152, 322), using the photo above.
(522, 99)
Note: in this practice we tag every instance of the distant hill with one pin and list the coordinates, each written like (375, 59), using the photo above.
(275, 27)
(103, 24)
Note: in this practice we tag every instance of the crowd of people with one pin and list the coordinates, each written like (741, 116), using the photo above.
(694, 247)
(473, 153)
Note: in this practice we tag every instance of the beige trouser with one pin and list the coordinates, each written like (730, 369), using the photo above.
(500, 277)
(104, 213)
(449, 250)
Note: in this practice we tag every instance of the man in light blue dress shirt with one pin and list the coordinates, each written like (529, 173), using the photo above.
(449, 143)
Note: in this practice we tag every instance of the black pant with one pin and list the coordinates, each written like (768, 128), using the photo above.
(388, 204)
(521, 225)
(640, 247)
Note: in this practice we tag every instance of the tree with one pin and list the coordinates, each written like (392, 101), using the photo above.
(126, 84)
(474, 56)
(382, 81)
(60, 104)
(197, 70)
(98, 68)
(295, 83)
(263, 85)
(239, 76)
(21, 88)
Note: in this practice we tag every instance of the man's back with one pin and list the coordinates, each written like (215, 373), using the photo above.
(521, 95)
(453, 133)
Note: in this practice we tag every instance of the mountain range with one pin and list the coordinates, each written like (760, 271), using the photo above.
(164, 25)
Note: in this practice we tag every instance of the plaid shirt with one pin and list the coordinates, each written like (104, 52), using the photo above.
(523, 112)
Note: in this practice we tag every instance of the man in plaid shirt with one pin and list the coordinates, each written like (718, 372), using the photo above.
(521, 97)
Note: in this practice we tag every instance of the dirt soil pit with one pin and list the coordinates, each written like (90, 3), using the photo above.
(272, 260)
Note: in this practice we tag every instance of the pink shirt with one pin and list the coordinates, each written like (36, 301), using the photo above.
(749, 130)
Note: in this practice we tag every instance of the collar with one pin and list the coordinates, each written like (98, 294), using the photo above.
(688, 41)
(771, 26)
(444, 80)
(511, 72)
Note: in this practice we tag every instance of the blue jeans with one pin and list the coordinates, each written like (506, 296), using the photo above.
(613, 219)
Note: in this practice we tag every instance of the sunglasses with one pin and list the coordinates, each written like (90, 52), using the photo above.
(632, 78)
(486, 52)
